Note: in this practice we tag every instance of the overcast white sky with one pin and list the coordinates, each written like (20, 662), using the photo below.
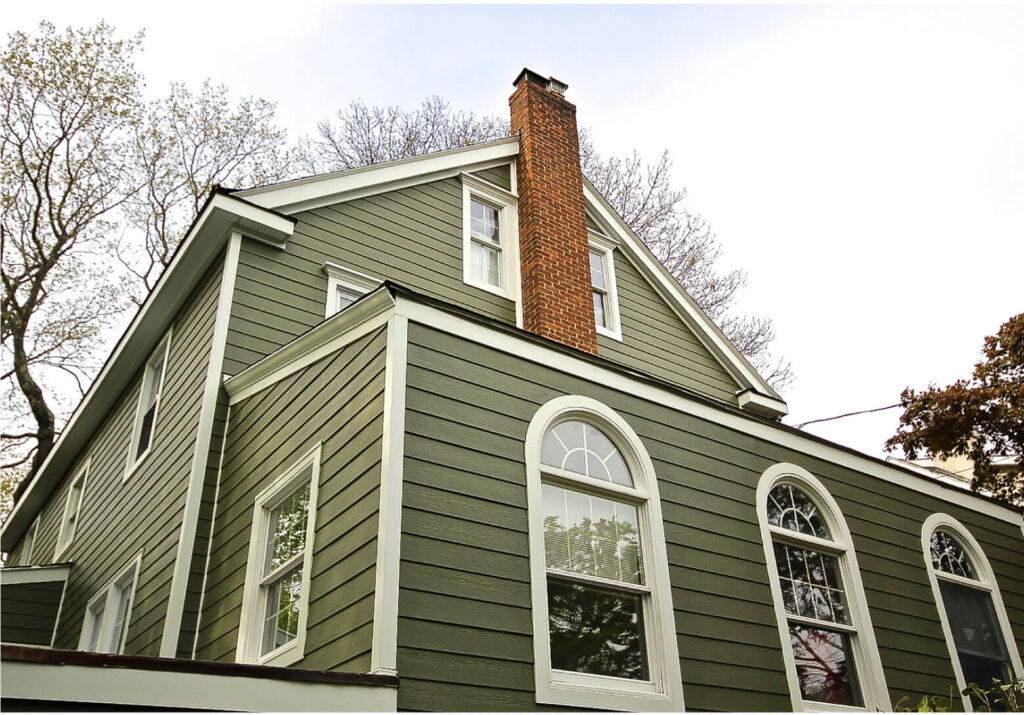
(864, 163)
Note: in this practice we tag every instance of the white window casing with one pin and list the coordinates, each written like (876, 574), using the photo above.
(30, 542)
(345, 286)
(148, 410)
(869, 677)
(506, 245)
(108, 613)
(72, 514)
(603, 247)
(260, 583)
(984, 581)
(662, 690)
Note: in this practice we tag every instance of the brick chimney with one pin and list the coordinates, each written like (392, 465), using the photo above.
(557, 295)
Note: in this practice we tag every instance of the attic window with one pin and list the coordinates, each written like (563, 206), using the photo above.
(603, 286)
(345, 286)
(490, 238)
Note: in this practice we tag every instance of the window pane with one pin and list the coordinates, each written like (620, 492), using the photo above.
(824, 666)
(597, 270)
(287, 536)
(96, 617)
(485, 264)
(972, 619)
(810, 583)
(790, 508)
(596, 630)
(145, 431)
(949, 556)
(346, 297)
(281, 621)
(484, 222)
(124, 603)
(590, 535)
(581, 448)
(599, 313)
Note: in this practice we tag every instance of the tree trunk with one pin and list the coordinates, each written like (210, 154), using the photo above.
(34, 396)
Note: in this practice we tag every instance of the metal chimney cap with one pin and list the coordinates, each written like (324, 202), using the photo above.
(551, 84)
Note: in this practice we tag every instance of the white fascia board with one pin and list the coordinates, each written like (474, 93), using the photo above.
(304, 194)
(43, 682)
(364, 316)
(16, 575)
(535, 352)
(684, 306)
(209, 234)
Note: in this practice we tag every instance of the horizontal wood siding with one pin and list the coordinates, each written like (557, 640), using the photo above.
(411, 236)
(338, 401)
(120, 517)
(656, 341)
(30, 612)
(465, 626)
(499, 176)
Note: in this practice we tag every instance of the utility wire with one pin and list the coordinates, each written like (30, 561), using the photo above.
(848, 414)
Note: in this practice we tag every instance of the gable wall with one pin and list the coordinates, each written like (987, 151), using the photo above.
(465, 629)
(118, 518)
(339, 401)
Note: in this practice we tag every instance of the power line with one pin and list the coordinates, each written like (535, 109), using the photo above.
(848, 414)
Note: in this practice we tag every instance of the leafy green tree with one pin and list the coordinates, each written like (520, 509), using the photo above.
(981, 417)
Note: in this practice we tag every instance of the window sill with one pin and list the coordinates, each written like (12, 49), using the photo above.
(603, 693)
(502, 292)
(134, 466)
(609, 333)
(285, 655)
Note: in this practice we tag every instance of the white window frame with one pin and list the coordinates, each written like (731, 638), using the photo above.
(342, 277)
(133, 462)
(664, 691)
(604, 245)
(29, 544)
(507, 204)
(68, 527)
(986, 582)
(125, 579)
(870, 676)
(253, 599)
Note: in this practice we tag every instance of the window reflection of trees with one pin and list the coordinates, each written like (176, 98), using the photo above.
(823, 665)
(949, 556)
(282, 574)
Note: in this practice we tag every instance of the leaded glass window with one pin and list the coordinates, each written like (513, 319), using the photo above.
(949, 556)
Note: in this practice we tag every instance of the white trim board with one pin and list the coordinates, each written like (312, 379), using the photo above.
(558, 360)
(198, 250)
(16, 575)
(200, 454)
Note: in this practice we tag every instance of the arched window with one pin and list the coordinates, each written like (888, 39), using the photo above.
(978, 635)
(828, 643)
(604, 635)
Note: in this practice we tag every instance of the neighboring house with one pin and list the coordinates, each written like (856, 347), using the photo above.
(443, 434)
(957, 470)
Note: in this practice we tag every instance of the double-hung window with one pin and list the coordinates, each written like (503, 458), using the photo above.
(829, 647)
(980, 642)
(490, 238)
(72, 511)
(109, 612)
(149, 404)
(603, 629)
(603, 286)
(276, 594)
(345, 286)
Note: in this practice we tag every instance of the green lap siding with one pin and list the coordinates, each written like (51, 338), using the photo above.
(30, 612)
(465, 630)
(339, 402)
(499, 176)
(120, 517)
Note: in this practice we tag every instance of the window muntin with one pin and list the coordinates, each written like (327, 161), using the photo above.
(276, 593)
(604, 633)
(108, 613)
(149, 404)
(603, 286)
(490, 239)
(72, 513)
(599, 287)
(831, 659)
(485, 237)
(345, 286)
(981, 645)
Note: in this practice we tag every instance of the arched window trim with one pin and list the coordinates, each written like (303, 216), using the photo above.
(986, 580)
(865, 649)
(596, 691)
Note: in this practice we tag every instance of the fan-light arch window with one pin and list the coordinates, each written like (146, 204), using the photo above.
(981, 645)
(604, 635)
(828, 644)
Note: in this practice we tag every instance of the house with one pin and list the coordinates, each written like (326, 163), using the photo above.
(442, 434)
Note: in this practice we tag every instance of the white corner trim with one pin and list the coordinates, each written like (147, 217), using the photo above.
(664, 692)
(537, 353)
(384, 652)
(346, 278)
(508, 234)
(362, 317)
(65, 540)
(249, 630)
(870, 675)
(200, 454)
(688, 311)
(606, 247)
(309, 193)
(15, 576)
(987, 582)
(760, 404)
(132, 463)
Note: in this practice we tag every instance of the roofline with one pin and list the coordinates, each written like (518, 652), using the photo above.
(14, 575)
(220, 215)
(310, 192)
